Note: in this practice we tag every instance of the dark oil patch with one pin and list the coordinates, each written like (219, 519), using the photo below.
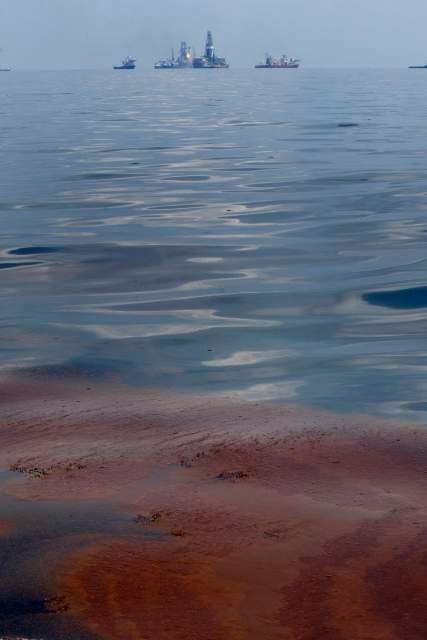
(411, 298)
(16, 265)
(29, 251)
(43, 535)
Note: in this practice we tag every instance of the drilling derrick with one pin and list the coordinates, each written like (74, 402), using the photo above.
(210, 60)
(210, 49)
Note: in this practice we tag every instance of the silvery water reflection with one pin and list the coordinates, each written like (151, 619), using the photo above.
(245, 232)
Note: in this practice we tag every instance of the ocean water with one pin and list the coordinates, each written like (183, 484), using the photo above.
(256, 232)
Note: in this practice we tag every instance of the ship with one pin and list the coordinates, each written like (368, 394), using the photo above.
(210, 60)
(418, 66)
(183, 61)
(278, 63)
(128, 63)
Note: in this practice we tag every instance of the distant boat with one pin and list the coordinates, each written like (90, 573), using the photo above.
(128, 63)
(418, 66)
(278, 63)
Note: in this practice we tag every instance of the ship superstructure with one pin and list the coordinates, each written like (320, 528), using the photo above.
(183, 61)
(128, 63)
(271, 62)
(210, 60)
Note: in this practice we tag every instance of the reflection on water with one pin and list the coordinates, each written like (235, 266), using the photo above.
(243, 233)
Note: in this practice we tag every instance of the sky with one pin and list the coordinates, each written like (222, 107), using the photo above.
(52, 34)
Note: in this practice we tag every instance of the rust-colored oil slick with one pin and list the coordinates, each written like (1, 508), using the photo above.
(156, 591)
(273, 523)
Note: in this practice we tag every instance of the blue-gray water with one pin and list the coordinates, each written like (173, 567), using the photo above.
(261, 232)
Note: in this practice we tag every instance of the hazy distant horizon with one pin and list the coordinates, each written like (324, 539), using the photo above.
(76, 34)
(148, 67)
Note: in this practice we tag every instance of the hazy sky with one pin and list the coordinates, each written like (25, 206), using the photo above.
(51, 34)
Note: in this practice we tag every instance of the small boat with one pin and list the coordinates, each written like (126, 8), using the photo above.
(278, 63)
(128, 63)
(418, 66)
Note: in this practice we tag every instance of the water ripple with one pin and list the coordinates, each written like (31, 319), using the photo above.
(182, 230)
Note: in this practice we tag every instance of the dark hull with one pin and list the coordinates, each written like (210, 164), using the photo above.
(211, 66)
(277, 66)
(172, 68)
(418, 66)
(122, 68)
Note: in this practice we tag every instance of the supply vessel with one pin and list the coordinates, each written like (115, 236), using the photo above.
(271, 62)
(210, 60)
(128, 63)
(183, 61)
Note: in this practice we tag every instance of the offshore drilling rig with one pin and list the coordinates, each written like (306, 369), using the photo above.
(210, 60)
(183, 61)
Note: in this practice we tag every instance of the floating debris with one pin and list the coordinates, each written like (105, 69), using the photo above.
(38, 472)
(57, 605)
(232, 475)
(148, 520)
(17, 638)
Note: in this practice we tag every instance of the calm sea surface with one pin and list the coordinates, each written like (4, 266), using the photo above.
(260, 232)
